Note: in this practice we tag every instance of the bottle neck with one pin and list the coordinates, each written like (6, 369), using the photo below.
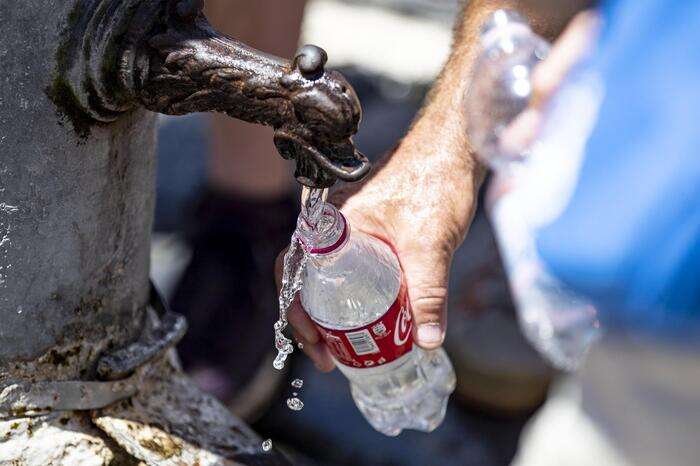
(323, 232)
(503, 24)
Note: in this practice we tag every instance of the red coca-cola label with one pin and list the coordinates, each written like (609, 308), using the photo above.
(384, 340)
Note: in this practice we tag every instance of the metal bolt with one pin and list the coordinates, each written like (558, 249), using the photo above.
(311, 60)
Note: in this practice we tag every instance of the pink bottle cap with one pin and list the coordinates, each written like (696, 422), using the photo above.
(341, 240)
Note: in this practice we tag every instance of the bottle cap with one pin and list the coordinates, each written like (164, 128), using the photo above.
(338, 243)
(324, 235)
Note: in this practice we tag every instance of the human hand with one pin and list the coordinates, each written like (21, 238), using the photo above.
(421, 199)
(420, 203)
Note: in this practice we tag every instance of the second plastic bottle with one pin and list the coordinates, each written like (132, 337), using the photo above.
(559, 323)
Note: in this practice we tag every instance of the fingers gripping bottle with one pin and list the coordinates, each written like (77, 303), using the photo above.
(355, 293)
(559, 323)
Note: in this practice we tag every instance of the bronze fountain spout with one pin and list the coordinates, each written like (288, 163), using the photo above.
(164, 55)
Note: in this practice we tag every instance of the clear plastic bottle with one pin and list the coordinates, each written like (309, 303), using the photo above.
(501, 88)
(353, 290)
(560, 324)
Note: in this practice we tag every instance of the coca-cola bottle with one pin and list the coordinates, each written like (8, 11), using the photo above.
(353, 289)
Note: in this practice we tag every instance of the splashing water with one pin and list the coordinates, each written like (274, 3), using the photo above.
(294, 264)
(292, 271)
(267, 445)
(295, 404)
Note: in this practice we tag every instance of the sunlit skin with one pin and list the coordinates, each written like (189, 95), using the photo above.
(421, 197)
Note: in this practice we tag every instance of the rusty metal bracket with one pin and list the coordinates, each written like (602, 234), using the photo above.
(28, 399)
(158, 338)
(120, 371)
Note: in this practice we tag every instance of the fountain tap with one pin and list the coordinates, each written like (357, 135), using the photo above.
(118, 55)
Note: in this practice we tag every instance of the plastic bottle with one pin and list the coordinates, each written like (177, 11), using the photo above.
(560, 324)
(501, 88)
(354, 291)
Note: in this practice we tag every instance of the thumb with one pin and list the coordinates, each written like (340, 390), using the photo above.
(427, 277)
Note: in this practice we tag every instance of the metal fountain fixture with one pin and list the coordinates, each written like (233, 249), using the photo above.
(87, 371)
(164, 56)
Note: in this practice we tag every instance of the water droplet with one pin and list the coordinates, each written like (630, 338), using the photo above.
(267, 445)
(300, 345)
(297, 383)
(278, 363)
(295, 404)
(284, 345)
(19, 309)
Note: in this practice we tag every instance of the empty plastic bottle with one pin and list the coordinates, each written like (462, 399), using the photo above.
(558, 323)
(501, 88)
(354, 291)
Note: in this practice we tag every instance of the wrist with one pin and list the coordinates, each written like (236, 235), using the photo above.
(439, 153)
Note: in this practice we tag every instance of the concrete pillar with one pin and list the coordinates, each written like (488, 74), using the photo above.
(76, 208)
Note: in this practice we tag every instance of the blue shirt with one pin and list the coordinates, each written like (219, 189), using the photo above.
(629, 239)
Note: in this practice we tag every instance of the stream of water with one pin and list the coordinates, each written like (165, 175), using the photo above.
(293, 268)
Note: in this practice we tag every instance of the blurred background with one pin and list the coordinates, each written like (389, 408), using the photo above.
(226, 205)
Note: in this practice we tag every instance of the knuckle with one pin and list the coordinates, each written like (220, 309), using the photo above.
(428, 303)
